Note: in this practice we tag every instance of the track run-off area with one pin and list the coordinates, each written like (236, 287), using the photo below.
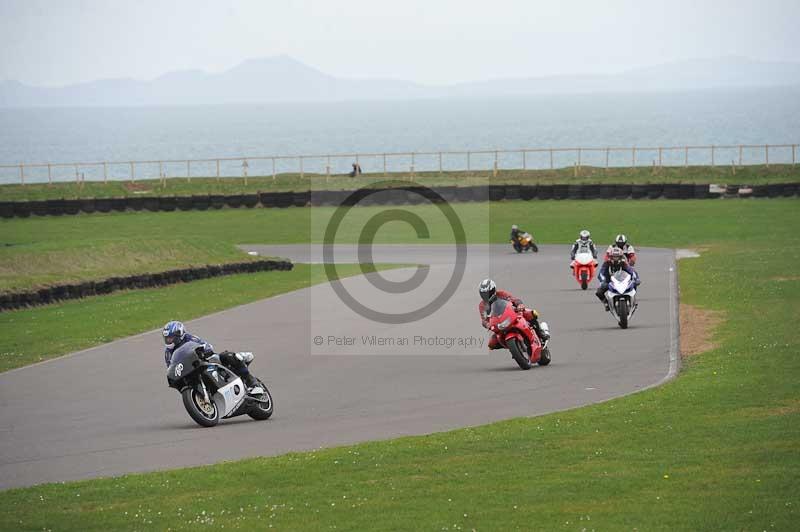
(337, 376)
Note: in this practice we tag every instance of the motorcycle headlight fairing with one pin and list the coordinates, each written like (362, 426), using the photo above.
(503, 324)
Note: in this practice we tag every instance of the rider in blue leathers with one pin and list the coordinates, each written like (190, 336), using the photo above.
(615, 262)
(175, 335)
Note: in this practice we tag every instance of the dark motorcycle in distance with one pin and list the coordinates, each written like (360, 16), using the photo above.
(524, 242)
(210, 391)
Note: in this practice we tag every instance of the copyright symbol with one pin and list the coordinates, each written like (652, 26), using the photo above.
(318, 340)
(366, 241)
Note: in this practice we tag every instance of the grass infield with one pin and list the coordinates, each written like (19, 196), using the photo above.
(718, 448)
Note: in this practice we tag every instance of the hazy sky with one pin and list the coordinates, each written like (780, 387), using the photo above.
(428, 41)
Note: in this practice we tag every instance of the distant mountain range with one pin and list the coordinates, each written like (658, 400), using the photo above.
(283, 79)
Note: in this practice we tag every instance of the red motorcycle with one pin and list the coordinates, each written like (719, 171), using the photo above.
(583, 268)
(515, 334)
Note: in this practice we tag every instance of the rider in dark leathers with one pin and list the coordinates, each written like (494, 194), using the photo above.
(516, 232)
(175, 335)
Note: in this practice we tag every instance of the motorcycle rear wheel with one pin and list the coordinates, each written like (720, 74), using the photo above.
(260, 411)
(205, 415)
(520, 356)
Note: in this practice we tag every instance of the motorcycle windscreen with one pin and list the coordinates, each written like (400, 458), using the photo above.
(498, 308)
(620, 281)
(184, 361)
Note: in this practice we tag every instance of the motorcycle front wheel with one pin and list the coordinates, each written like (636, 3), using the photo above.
(262, 410)
(622, 312)
(545, 358)
(204, 414)
(519, 354)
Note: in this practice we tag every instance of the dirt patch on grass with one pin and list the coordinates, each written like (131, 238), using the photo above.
(697, 329)
(786, 408)
(138, 187)
(786, 278)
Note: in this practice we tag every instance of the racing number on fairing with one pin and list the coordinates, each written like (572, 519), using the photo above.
(178, 370)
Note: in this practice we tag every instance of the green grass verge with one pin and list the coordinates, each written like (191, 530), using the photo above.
(40, 333)
(37, 252)
(716, 449)
(751, 174)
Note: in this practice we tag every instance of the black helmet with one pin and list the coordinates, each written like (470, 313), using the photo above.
(488, 290)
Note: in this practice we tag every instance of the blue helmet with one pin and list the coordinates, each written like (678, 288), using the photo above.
(173, 333)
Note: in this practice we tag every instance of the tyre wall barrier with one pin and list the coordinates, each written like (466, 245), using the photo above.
(57, 207)
(544, 192)
(65, 292)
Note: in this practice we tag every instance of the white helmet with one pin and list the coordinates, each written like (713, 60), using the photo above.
(488, 290)
(621, 240)
(585, 234)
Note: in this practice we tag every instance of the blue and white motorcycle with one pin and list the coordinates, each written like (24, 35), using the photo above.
(621, 297)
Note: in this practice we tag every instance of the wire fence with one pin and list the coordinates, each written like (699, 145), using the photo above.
(336, 165)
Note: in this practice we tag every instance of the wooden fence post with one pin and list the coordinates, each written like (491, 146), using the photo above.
(245, 166)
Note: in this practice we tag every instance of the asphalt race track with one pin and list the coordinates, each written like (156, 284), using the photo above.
(107, 410)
